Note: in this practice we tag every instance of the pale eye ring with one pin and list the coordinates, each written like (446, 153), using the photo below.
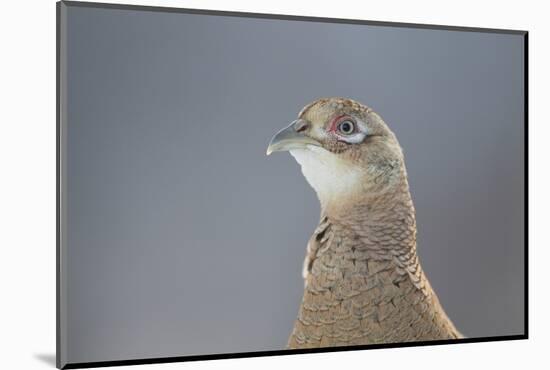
(346, 127)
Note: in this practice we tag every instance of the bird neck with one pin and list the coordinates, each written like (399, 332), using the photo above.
(362, 273)
(374, 211)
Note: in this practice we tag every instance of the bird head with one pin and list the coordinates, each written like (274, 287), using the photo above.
(345, 150)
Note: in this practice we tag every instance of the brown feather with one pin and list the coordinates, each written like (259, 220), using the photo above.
(363, 279)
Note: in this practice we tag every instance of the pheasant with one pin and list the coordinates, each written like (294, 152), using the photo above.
(363, 280)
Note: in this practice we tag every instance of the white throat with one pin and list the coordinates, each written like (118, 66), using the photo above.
(327, 174)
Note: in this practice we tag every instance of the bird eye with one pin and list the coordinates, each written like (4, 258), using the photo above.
(346, 127)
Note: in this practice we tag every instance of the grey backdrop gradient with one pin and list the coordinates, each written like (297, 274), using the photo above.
(183, 238)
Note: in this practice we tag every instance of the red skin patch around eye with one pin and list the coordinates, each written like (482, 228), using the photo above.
(332, 128)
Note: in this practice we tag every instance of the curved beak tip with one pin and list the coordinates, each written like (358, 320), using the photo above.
(288, 138)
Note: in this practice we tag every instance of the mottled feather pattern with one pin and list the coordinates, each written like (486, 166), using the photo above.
(363, 280)
(364, 283)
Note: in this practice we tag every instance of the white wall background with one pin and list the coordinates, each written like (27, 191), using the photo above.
(27, 184)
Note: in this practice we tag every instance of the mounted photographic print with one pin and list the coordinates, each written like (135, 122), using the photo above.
(235, 184)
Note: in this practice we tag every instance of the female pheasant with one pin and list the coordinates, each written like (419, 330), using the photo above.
(363, 280)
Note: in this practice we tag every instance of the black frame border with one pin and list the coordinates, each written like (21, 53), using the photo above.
(172, 359)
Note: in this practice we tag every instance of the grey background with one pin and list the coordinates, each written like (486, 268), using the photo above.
(184, 238)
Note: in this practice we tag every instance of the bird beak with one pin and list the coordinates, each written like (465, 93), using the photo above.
(291, 137)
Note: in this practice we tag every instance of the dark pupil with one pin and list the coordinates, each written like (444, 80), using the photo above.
(346, 127)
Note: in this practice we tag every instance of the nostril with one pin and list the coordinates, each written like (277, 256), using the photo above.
(300, 125)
